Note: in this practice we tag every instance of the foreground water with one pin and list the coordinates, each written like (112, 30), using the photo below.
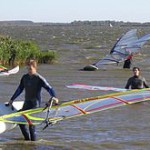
(126, 128)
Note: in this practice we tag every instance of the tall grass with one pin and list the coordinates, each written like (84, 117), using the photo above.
(47, 56)
(18, 51)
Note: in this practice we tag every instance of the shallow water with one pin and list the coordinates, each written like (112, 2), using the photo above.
(124, 128)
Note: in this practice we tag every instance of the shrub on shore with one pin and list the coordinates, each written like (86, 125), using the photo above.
(47, 57)
(18, 51)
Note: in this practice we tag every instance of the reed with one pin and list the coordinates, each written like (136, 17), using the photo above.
(14, 51)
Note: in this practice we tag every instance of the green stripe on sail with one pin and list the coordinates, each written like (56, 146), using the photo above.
(17, 122)
(33, 118)
(2, 67)
(37, 111)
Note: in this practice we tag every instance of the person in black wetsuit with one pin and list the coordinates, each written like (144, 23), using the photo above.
(32, 83)
(136, 81)
(128, 62)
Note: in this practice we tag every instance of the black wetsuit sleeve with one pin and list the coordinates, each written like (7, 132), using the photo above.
(52, 92)
(46, 86)
(128, 84)
(145, 83)
(18, 90)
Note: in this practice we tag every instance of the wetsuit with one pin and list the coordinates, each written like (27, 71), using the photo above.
(136, 82)
(32, 85)
(127, 62)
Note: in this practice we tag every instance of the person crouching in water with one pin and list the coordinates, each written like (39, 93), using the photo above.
(136, 81)
(32, 83)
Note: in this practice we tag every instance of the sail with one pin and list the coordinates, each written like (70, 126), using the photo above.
(140, 42)
(4, 126)
(77, 108)
(95, 88)
(6, 72)
(126, 45)
(2, 68)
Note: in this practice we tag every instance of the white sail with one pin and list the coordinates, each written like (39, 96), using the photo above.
(126, 45)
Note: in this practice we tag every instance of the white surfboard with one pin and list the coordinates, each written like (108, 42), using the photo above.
(7, 110)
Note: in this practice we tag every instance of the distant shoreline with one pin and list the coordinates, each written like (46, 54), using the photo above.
(101, 23)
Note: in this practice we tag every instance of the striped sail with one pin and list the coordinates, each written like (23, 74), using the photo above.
(125, 45)
(78, 107)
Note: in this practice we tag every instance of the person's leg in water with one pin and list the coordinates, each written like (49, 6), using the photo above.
(32, 130)
(24, 132)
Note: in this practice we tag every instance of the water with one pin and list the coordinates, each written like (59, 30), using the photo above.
(124, 128)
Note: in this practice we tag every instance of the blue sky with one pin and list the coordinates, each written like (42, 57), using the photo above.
(71, 10)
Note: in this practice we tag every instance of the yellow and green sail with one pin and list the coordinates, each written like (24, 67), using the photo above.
(77, 108)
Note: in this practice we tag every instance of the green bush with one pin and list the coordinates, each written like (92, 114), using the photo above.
(47, 56)
(18, 51)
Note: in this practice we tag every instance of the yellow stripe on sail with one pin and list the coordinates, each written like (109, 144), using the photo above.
(31, 112)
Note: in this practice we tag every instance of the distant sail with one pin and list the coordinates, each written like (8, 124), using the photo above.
(95, 88)
(2, 68)
(6, 72)
(120, 50)
(110, 25)
(126, 45)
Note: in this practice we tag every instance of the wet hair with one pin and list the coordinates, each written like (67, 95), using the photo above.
(134, 68)
(32, 62)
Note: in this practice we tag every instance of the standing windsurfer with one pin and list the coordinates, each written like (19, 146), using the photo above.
(32, 82)
(136, 81)
(128, 61)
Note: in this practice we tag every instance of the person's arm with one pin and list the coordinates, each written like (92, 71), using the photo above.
(50, 90)
(128, 84)
(17, 92)
(145, 83)
(52, 93)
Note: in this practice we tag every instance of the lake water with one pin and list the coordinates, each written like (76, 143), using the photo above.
(123, 128)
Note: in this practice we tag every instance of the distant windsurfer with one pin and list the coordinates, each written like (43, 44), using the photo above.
(136, 81)
(32, 82)
(128, 61)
